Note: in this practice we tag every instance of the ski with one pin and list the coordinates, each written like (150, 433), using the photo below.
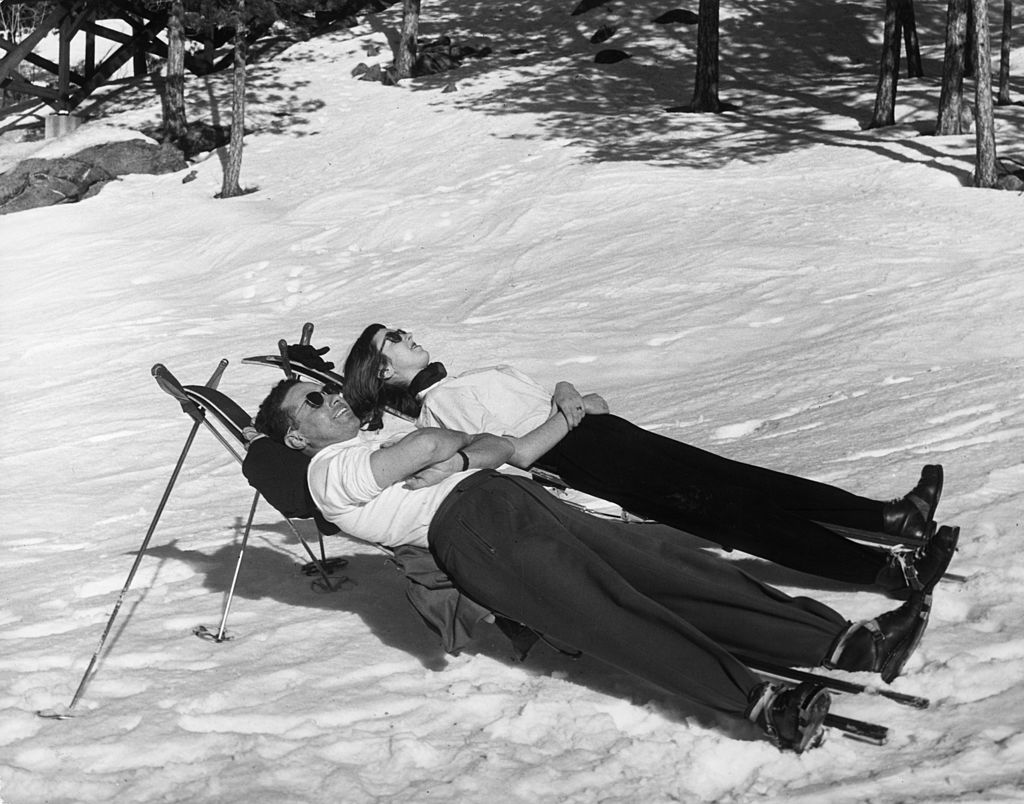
(858, 729)
(835, 684)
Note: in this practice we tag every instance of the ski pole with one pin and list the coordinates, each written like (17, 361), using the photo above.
(131, 576)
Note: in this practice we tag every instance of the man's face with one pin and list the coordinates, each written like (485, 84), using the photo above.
(329, 422)
(405, 356)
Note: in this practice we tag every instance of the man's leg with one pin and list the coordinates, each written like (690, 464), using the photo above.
(510, 555)
(735, 610)
(512, 548)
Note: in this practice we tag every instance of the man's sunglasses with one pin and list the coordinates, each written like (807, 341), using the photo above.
(316, 399)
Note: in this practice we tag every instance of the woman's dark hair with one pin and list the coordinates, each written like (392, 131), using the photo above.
(365, 390)
(272, 419)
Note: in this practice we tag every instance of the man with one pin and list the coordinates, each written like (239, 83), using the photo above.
(672, 615)
(739, 506)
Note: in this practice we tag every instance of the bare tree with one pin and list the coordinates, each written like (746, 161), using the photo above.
(889, 71)
(233, 169)
(985, 138)
(951, 96)
(899, 21)
(705, 90)
(1004, 54)
(408, 47)
(908, 24)
(173, 98)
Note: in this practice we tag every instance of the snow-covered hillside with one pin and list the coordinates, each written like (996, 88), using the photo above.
(774, 284)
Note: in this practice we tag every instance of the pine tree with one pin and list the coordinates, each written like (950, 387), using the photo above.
(1004, 54)
(985, 136)
(705, 90)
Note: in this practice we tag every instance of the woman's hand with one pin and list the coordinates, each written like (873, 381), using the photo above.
(593, 404)
(568, 400)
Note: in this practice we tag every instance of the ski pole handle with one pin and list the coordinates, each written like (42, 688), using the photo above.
(307, 334)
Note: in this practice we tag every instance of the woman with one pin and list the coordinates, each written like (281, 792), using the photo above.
(760, 511)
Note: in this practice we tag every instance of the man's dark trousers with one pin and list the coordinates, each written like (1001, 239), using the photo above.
(671, 614)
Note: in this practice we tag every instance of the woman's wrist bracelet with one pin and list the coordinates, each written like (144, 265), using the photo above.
(465, 459)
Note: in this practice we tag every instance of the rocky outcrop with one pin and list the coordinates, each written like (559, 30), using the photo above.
(44, 182)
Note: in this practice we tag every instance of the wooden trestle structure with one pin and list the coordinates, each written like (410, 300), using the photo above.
(67, 86)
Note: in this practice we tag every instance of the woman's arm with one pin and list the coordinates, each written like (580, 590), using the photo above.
(528, 448)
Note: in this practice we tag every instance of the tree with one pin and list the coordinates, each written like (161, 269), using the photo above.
(405, 55)
(985, 138)
(705, 90)
(908, 23)
(899, 20)
(889, 70)
(173, 98)
(1004, 54)
(230, 187)
(951, 96)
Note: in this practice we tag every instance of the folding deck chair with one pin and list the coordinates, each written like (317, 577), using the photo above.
(234, 432)
(257, 453)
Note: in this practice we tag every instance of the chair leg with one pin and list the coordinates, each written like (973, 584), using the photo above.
(315, 565)
(202, 631)
(131, 576)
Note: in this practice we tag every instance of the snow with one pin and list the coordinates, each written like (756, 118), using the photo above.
(775, 284)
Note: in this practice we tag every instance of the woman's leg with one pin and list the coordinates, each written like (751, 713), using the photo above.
(713, 498)
(631, 456)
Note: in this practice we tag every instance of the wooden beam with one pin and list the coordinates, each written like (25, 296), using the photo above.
(112, 63)
(10, 62)
(26, 87)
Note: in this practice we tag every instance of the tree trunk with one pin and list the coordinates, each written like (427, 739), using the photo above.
(705, 89)
(951, 97)
(908, 22)
(971, 39)
(233, 169)
(175, 122)
(889, 70)
(407, 46)
(1004, 54)
(985, 130)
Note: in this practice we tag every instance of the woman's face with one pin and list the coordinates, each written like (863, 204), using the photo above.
(406, 357)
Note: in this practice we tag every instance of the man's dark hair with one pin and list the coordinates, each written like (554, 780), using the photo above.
(272, 419)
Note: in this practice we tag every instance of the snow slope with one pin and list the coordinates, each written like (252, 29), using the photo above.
(774, 284)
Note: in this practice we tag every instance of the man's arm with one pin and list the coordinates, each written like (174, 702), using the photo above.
(430, 446)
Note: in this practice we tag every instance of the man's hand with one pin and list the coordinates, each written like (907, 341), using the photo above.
(593, 404)
(435, 473)
(568, 400)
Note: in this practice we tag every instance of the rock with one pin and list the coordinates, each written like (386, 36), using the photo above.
(44, 182)
(586, 5)
(610, 56)
(1011, 181)
(201, 138)
(133, 156)
(603, 34)
(677, 15)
